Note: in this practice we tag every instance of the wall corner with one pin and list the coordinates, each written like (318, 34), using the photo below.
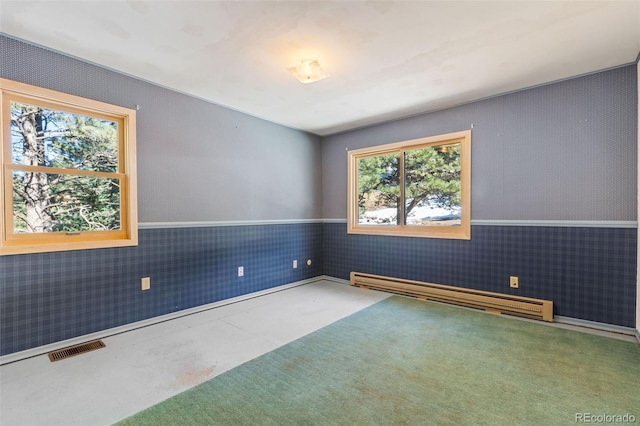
(638, 191)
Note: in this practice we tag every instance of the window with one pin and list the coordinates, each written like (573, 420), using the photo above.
(415, 188)
(68, 176)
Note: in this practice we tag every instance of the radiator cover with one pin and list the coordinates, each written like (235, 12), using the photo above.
(489, 301)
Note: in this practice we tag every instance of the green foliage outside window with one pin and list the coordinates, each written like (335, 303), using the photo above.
(413, 188)
(53, 194)
(379, 185)
(431, 178)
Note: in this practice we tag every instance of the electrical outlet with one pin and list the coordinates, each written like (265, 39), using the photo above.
(241, 271)
(145, 283)
(513, 282)
(295, 264)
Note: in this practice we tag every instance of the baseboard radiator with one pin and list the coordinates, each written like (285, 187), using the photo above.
(489, 301)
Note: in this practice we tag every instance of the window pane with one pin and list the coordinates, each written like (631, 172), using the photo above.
(45, 202)
(432, 186)
(379, 190)
(46, 137)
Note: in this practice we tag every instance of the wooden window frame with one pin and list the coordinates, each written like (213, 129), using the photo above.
(12, 243)
(463, 231)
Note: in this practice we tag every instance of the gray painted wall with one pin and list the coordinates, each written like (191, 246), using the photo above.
(563, 151)
(196, 161)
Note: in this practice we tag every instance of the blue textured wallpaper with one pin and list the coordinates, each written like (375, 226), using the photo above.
(588, 273)
(565, 151)
(562, 151)
(50, 297)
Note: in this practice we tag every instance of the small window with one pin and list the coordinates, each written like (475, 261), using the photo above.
(68, 172)
(416, 188)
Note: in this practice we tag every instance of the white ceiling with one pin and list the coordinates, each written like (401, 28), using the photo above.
(386, 59)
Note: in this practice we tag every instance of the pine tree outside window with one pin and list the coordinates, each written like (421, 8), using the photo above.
(415, 188)
(68, 172)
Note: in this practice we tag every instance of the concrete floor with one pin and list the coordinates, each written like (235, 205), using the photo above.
(142, 367)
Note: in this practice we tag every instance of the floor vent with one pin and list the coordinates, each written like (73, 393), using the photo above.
(491, 302)
(75, 350)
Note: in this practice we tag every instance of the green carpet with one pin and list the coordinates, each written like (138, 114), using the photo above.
(405, 361)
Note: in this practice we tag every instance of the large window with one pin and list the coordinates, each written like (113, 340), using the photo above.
(68, 176)
(416, 188)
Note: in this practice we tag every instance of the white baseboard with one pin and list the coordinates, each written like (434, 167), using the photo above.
(41, 350)
(612, 328)
(335, 280)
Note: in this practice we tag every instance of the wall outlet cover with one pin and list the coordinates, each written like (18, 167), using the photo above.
(145, 283)
(513, 282)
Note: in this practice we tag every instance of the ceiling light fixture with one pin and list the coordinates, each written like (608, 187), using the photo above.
(308, 71)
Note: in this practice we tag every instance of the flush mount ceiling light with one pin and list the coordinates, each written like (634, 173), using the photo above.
(308, 71)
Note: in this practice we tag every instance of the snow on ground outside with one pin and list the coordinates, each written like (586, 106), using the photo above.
(387, 215)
